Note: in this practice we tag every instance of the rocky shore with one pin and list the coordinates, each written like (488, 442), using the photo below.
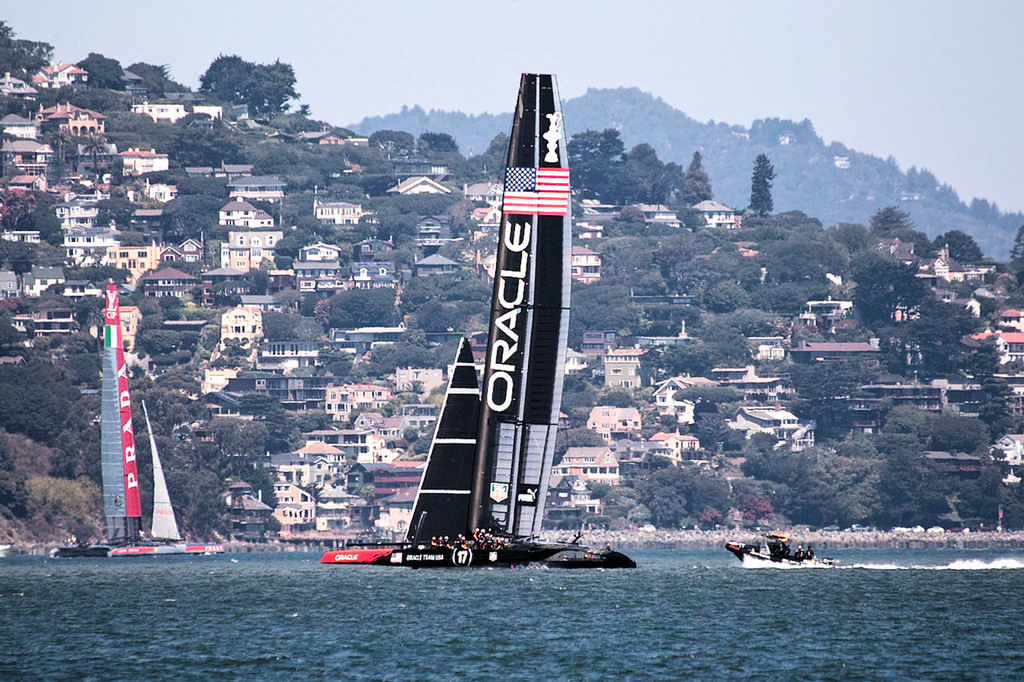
(820, 540)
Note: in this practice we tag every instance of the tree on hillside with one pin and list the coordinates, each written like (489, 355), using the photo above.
(156, 79)
(394, 143)
(890, 222)
(761, 186)
(104, 72)
(438, 143)
(885, 287)
(961, 246)
(1017, 252)
(595, 158)
(267, 89)
(22, 57)
(696, 183)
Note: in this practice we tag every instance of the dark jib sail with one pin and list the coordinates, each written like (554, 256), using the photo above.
(442, 502)
(522, 385)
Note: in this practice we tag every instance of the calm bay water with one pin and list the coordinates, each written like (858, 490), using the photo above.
(890, 615)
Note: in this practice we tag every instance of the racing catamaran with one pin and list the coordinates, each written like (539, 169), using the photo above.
(481, 499)
(121, 504)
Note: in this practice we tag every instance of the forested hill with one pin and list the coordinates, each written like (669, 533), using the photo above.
(829, 181)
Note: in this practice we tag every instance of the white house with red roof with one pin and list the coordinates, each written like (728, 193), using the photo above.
(60, 75)
(1010, 346)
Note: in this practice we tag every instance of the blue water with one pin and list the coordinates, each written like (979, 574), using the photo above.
(693, 615)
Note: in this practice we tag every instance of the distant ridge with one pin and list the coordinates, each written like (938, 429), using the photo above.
(830, 182)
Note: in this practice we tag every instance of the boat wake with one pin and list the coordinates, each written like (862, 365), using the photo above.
(959, 565)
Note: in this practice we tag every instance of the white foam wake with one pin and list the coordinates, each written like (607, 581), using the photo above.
(958, 565)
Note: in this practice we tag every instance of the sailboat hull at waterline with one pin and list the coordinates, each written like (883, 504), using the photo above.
(554, 555)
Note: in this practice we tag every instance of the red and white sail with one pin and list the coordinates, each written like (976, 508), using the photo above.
(121, 504)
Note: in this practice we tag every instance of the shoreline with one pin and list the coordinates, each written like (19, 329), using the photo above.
(674, 539)
(819, 540)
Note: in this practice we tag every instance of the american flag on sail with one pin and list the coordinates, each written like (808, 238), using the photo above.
(544, 191)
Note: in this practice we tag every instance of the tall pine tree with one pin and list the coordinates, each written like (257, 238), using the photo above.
(761, 186)
(696, 183)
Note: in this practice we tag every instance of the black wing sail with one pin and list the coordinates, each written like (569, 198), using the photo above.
(442, 503)
(524, 371)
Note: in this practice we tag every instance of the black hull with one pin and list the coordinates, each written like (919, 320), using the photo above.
(513, 554)
(81, 551)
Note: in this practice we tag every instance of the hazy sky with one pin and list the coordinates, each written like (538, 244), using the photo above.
(935, 84)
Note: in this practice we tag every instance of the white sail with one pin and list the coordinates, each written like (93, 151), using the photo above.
(165, 527)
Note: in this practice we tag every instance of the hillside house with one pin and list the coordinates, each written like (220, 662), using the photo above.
(614, 423)
(809, 351)
(249, 514)
(9, 285)
(419, 185)
(622, 368)
(396, 512)
(142, 161)
(71, 119)
(295, 510)
(375, 275)
(658, 214)
(60, 75)
(371, 250)
(569, 497)
(259, 187)
(25, 157)
(19, 127)
(137, 260)
(161, 112)
(780, 423)
(39, 278)
(423, 380)
(168, 282)
(484, 192)
(243, 214)
(15, 88)
(754, 388)
(241, 324)
(341, 401)
(337, 212)
(86, 246)
(719, 215)
(285, 356)
(598, 342)
(323, 276)
(674, 447)
(434, 264)
(244, 251)
(333, 508)
(46, 322)
(585, 265)
(319, 253)
(592, 464)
